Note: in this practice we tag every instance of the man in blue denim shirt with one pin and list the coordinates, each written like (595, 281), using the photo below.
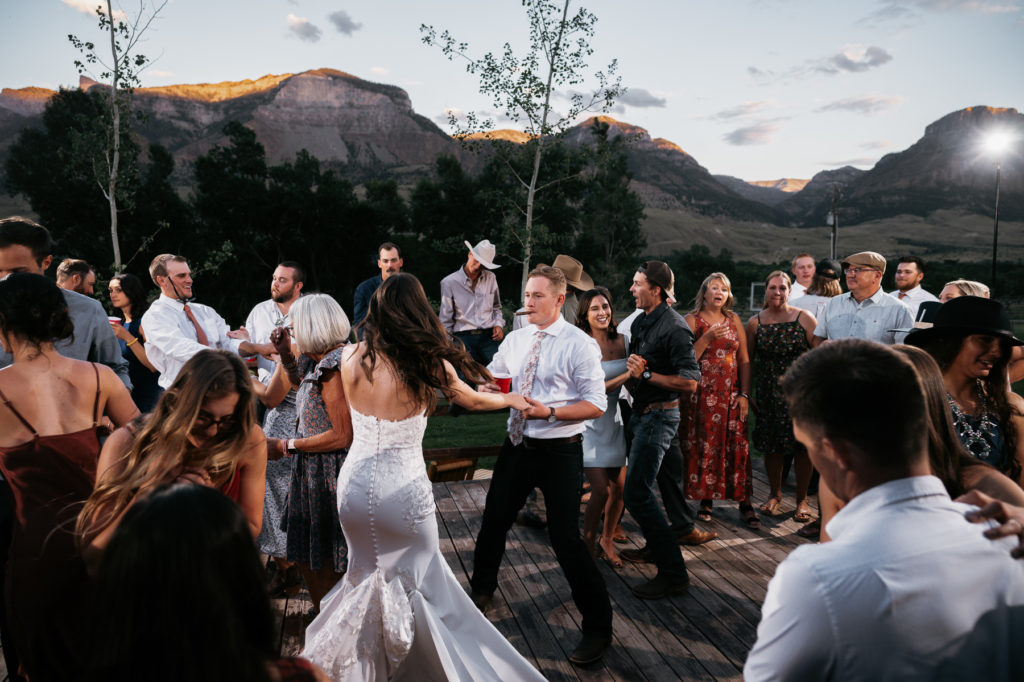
(662, 365)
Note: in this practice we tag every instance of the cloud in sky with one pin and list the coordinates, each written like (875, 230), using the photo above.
(851, 59)
(876, 144)
(741, 110)
(979, 6)
(303, 29)
(859, 161)
(910, 10)
(156, 73)
(378, 71)
(856, 59)
(866, 104)
(344, 23)
(89, 7)
(641, 99)
(759, 133)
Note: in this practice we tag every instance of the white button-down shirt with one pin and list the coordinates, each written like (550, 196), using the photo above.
(568, 371)
(902, 584)
(913, 299)
(171, 338)
(797, 290)
(465, 308)
(263, 319)
(873, 318)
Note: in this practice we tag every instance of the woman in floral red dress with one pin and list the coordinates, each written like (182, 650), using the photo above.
(714, 432)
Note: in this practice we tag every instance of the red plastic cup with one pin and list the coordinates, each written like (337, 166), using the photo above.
(114, 320)
(504, 383)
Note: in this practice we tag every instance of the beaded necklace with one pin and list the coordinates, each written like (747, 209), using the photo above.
(977, 439)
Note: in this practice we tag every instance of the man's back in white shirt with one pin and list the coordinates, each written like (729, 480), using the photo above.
(900, 587)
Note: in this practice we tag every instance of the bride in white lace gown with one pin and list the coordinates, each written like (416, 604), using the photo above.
(399, 613)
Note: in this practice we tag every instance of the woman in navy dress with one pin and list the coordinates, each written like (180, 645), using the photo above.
(128, 296)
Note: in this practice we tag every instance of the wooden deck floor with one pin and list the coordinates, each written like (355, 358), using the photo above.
(702, 635)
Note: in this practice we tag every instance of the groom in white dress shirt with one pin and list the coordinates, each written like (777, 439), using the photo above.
(557, 367)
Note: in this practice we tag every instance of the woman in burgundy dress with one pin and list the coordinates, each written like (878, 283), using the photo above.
(49, 441)
(202, 429)
(714, 433)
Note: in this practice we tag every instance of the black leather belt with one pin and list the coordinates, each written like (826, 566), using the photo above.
(541, 443)
(475, 332)
(652, 407)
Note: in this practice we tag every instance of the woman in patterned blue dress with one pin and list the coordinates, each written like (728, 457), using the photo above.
(315, 541)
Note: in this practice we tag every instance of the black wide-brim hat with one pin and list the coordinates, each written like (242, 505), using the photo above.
(966, 315)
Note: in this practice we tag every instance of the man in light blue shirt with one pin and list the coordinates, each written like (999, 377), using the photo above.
(865, 311)
(907, 578)
(26, 246)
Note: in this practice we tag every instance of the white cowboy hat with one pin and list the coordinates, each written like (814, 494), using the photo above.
(484, 252)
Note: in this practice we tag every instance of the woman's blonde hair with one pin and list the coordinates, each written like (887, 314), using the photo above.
(969, 287)
(161, 448)
(698, 302)
(319, 324)
(769, 278)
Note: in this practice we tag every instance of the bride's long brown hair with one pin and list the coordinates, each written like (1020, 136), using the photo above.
(402, 328)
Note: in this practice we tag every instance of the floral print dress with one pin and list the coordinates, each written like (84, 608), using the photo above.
(311, 518)
(713, 436)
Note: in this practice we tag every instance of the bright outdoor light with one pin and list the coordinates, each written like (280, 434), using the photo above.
(997, 141)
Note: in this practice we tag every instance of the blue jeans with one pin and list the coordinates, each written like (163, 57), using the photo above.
(481, 346)
(652, 437)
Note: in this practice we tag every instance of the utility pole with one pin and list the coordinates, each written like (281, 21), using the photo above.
(995, 232)
(833, 220)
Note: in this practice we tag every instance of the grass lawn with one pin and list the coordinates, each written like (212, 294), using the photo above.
(465, 431)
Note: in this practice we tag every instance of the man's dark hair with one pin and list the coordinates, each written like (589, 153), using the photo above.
(387, 246)
(863, 393)
(69, 267)
(22, 231)
(300, 274)
(912, 259)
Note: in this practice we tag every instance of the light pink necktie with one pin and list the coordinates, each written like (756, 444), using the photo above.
(515, 431)
(200, 334)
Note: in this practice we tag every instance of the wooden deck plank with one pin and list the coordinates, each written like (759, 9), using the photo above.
(704, 634)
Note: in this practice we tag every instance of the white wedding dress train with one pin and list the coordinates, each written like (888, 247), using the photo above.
(399, 613)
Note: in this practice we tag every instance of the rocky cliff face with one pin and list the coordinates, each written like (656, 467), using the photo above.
(947, 168)
(667, 177)
(339, 118)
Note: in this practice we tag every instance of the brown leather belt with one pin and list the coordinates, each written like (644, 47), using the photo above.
(475, 332)
(651, 407)
(541, 443)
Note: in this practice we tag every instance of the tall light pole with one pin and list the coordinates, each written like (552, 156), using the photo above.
(995, 229)
(995, 144)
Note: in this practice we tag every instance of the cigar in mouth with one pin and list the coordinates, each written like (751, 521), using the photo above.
(523, 312)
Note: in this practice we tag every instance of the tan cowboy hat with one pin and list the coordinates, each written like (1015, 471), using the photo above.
(573, 271)
(484, 252)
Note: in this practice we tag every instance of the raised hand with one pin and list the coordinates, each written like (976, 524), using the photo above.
(282, 341)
